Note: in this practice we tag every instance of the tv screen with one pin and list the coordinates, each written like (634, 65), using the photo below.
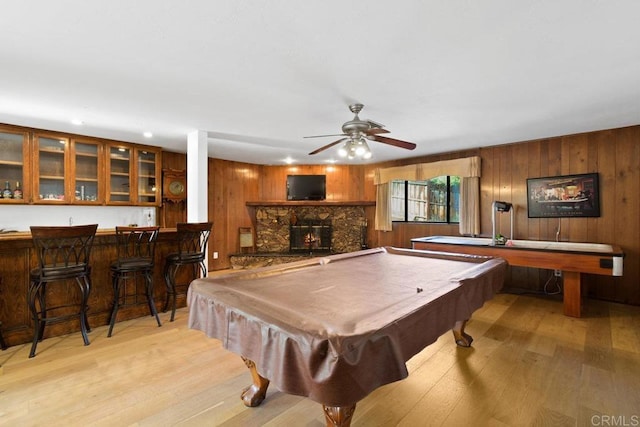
(563, 196)
(306, 187)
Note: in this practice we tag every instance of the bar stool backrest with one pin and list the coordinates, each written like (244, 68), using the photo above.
(136, 246)
(63, 252)
(192, 241)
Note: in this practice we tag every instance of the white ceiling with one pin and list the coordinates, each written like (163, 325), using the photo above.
(260, 75)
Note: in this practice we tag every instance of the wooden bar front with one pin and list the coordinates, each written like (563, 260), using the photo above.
(17, 258)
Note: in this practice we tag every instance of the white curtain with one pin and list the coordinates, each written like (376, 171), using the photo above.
(383, 208)
(470, 205)
(468, 167)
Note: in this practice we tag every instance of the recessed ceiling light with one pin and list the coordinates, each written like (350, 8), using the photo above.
(147, 134)
(77, 122)
(288, 160)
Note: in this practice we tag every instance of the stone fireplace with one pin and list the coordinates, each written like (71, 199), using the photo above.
(273, 226)
(289, 231)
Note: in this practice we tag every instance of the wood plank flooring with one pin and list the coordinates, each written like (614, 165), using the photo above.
(529, 366)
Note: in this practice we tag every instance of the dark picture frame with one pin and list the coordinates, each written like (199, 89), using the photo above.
(564, 196)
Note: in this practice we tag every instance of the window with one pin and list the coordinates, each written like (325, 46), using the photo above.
(433, 200)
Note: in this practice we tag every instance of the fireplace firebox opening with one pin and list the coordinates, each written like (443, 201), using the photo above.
(310, 237)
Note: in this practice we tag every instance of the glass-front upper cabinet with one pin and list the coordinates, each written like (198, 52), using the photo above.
(51, 167)
(148, 177)
(133, 174)
(14, 150)
(86, 157)
(119, 171)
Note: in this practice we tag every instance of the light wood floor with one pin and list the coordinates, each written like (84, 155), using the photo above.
(529, 365)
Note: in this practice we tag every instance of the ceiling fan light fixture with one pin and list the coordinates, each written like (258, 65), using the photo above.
(355, 149)
(367, 152)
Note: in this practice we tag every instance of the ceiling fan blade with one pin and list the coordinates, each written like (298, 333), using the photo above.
(375, 131)
(394, 142)
(328, 146)
(322, 136)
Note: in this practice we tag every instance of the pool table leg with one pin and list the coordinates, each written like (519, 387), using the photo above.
(338, 416)
(462, 339)
(256, 392)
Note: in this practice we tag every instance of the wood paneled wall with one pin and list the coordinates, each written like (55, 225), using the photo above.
(614, 154)
(232, 184)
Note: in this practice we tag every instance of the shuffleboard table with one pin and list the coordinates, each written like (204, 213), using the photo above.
(335, 328)
(572, 258)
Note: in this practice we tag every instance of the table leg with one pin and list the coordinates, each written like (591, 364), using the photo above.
(572, 293)
(462, 339)
(256, 392)
(338, 416)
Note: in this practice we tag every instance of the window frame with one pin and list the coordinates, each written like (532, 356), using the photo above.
(448, 202)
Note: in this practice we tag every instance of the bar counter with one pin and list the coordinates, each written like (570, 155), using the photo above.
(17, 258)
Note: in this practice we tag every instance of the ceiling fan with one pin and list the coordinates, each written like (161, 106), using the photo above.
(356, 132)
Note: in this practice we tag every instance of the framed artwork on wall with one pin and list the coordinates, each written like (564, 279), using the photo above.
(566, 196)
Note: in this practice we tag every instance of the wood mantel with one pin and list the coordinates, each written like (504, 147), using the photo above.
(313, 203)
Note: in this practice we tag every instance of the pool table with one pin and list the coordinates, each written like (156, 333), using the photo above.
(572, 258)
(335, 328)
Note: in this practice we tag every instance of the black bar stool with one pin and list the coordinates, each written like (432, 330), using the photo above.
(192, 243)
(63, 254)
(136, 250)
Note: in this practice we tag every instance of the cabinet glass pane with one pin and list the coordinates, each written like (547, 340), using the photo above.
(11, 161)
(51, 168)
(146, 177)
(120, 159)
(86, 156)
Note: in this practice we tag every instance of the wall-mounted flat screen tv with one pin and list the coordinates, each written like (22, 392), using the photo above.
(306, 187)
(563, 196)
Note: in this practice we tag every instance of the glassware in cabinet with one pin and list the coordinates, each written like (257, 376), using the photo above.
(86, 161)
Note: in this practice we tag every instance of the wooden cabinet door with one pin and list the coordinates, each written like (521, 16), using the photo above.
(118, 177)
(86, 172)
(51, 167)
(147, 174)
(14, 163)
